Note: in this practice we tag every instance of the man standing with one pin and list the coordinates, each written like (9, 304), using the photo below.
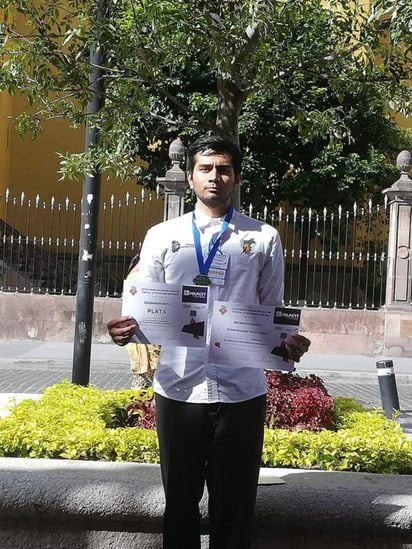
(210, 416)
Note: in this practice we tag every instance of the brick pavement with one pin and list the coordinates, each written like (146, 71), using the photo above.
(35, 377)
(367, 392)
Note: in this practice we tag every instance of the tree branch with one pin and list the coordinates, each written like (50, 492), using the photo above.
(177, 123)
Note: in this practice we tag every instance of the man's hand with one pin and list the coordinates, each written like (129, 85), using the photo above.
(297, 345)
(121, 329)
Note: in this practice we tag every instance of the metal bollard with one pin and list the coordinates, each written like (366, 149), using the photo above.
(387, 386)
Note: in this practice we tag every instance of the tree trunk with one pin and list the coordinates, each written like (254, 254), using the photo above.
(230, 100)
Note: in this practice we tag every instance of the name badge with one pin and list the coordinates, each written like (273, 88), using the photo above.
(218, 268)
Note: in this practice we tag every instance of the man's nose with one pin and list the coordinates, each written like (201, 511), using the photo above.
(214, 174)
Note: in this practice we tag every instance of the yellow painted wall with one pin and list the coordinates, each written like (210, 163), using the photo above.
(34, 163)
(404, 122)
(31, 167)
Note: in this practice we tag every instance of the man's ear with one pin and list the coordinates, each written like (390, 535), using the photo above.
(189, 179)
(238, 180)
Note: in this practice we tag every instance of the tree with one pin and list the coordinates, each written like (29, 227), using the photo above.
(229, 66)
(353, 162)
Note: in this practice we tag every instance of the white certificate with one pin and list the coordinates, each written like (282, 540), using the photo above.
(167, 314)
(252, 335)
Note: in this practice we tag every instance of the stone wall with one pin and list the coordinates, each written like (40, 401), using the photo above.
(53, 503)
(332, 331)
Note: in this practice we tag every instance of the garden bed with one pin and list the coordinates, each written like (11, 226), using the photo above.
(305, 428)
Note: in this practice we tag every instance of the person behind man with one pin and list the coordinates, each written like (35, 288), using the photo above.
(143, 357)
(210, 416)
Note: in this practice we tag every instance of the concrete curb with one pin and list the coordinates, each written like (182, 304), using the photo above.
(96, 505)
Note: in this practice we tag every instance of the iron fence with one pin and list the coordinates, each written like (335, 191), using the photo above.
(332, 258)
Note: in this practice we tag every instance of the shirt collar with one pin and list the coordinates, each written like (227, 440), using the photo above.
(203, 221)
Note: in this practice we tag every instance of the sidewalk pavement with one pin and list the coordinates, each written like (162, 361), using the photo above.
(27, 367)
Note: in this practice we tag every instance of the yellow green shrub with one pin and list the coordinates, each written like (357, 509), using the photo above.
(73, 422)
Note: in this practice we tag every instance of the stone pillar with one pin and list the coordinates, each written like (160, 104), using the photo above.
(174, 182)
(398, 309)
(398, 282)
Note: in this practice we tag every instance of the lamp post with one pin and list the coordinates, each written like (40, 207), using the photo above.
(174, 182)
(89, 217)
(398, 281)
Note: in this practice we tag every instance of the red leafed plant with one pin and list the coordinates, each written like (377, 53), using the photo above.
(141, 413)
(295, 402)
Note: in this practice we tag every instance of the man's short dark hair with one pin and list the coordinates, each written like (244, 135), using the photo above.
(211, 145)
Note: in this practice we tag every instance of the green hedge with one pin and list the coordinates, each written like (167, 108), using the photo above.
(363, 441)
(73, 422)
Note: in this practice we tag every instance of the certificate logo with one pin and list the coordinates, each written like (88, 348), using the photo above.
(194, 294)
(283, 315)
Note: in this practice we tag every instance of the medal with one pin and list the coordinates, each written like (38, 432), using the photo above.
(204, 265)
(201, 280)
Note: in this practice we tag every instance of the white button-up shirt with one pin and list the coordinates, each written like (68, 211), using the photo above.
(254, 276)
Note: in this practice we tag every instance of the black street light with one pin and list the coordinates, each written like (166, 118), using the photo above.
(89, 218)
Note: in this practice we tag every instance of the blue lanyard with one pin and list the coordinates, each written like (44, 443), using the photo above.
(204, 266)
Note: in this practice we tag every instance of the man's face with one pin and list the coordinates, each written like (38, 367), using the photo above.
(213, 180)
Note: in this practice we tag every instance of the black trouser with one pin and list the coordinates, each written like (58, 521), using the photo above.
(222, 445)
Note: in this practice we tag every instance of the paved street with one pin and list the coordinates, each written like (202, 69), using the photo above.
(35, 377)
(30, 366)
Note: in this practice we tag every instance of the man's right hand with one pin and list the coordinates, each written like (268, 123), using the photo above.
(121, 329)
